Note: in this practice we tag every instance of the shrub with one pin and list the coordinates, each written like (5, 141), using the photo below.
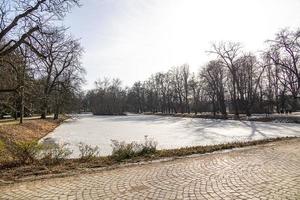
(87, 152)
(149, 146)
(123, 150)
(2, 147)
(4, 156)
(24, 152)
(55, 153)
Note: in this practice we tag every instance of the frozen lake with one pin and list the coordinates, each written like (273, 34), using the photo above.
(169, 132)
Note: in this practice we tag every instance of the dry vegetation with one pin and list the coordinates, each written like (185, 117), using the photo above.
(30, 130)
(74, 166)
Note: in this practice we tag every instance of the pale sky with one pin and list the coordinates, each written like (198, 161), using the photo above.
(132, 39)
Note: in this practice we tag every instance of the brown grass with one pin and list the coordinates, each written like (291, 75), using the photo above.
(30, 130)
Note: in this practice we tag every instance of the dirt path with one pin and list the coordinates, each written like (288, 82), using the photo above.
(271, 171)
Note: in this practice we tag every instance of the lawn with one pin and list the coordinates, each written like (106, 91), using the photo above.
(30, 130)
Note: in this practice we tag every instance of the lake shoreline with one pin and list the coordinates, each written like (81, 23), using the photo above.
(283, 118)
(70, 167)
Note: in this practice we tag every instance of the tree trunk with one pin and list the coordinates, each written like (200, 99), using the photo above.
(44, 108)
(22, 105)
(235, 103)
(223, 106)
(16, 109)
(56, 111)
(55, 116)
(248, 113)
(294, 108)
(214, 107)
(22, 95)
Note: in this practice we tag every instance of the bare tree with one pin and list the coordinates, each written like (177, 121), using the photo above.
(108, 98)
(228, 53)
(195, 87)
(214, 81)
(62, 56)
(284, 52)
(185, 77)
(19, 19)
(249, 73)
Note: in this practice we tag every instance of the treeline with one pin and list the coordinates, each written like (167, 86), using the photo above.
(40, 68)
(234, 82)
(108, 98)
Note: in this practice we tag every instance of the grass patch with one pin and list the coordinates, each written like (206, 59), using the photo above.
(24, 134)
(185, 151)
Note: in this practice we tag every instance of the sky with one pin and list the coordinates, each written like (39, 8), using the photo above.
(132, 39)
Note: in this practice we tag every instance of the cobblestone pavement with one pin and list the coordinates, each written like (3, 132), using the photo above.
(267, 172)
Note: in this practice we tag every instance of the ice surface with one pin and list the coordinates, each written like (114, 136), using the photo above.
(169, 132)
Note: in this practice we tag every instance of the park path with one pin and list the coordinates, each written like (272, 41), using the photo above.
(271, 171)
